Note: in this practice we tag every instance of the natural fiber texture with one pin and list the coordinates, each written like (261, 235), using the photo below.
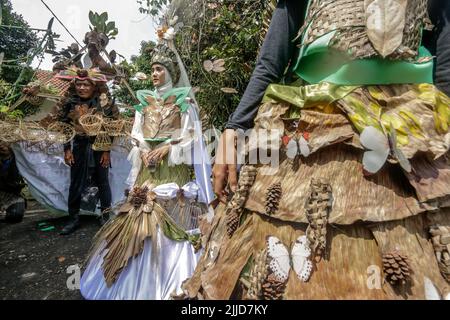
(353, 269)
(410, 237)
(128, 126)
(396, 268)
(9, 131)
(348, 19)
(60, 132)
(102, 142)
(33, 132)
(273, 197)
(272, 288)
(236, 205)
(113, 127)
(382, 197)
(419, 113)
(318, 209)
(257, 276)
(91, 124)
(370, 216)
(161, 119)
(440, 237)
(431, 179)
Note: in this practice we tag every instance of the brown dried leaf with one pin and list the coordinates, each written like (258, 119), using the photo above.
(229, 90)
(208, 65)
(385, 21)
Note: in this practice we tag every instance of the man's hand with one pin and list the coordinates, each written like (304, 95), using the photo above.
(225, 167)
(105, 160)
(68, 158)
(156, 155)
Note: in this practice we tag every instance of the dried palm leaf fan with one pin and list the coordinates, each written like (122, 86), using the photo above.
(60, 133)
(33, 132)
(102, 142)
(113, 127)
(91, 123)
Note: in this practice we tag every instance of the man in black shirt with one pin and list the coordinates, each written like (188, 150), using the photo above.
(87, 96)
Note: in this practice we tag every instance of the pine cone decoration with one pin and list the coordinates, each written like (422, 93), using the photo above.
(139, 197)
(232, 222)
(396, 268)
(273, 289)
(273, 198)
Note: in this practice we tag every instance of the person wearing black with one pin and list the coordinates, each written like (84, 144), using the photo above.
(11, 185)
(88, 95)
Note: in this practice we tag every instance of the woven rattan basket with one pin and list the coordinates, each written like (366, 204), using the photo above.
(91, 123)
(102, 142)
(33, 132)
(128, 125)
(113, 127)
(60, 132)
(9, 132)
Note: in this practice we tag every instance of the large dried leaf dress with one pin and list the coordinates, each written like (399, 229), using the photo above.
(359, 206)
(153, 243)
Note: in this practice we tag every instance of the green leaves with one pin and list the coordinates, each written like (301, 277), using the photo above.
(100, 24)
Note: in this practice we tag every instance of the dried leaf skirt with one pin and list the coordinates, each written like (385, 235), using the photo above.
(149, 248)
(368, 237)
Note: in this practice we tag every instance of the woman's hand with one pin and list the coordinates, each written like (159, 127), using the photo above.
(68, 158)
(225, 167)
(105, 160)
(156, 155)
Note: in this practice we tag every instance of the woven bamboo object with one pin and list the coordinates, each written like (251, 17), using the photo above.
(348, 18)
(9, 131)
(128, 125)
(60, 132)
(441, 243)
(33, 132)
(113, 127)
(102, 142)
(91, 123)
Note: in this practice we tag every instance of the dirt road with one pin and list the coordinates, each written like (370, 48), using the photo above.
(34, 258)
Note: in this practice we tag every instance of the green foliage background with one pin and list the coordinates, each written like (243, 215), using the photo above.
(15, 43)
(223, 29)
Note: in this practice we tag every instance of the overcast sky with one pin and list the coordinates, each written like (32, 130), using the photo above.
(133, 26)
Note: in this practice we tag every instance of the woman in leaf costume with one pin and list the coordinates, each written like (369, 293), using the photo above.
(358, 207)
(153, 244)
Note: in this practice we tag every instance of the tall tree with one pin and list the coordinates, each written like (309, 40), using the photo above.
(16, 39)
(218, 42)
